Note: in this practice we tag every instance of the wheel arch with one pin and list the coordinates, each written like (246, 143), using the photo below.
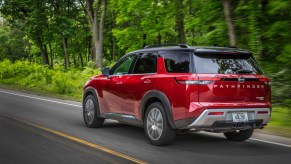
(91, 91)
(157, 96)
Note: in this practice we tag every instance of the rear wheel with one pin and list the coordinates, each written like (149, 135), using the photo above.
(156, 126)
(240, 135)
(90, 109)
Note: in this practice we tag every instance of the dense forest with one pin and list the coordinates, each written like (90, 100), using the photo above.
(74, 34)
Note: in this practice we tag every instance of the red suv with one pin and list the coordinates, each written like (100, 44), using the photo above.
(172, 88)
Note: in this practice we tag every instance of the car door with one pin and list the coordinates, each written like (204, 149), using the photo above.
(138, 83)
(113, 92)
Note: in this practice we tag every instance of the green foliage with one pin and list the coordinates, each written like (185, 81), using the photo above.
(44, 24)
(205, 29)
(143, 22)
(56, 80)
(13, 42)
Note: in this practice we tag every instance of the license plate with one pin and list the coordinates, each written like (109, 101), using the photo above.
(240, 117)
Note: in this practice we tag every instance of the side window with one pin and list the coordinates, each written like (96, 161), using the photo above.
(177, 62)
(123, 66)
(146, 63)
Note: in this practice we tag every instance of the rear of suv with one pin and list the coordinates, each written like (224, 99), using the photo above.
(176, 88)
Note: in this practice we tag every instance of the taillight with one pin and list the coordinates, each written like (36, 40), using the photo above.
(265, 80)
(186, 80)
(205, 82)
(263, 112)
(189, 80)
(215, 113)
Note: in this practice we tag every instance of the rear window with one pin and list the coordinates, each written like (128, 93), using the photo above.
(226, 64)
(177, 62)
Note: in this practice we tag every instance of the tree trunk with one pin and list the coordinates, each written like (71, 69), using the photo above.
(29, 52)
(90, 52)
(113, 53)
(113, 39)
(75, 61)
(99, 49)
(51, 55)
(144, 40)
(44, 55)
(81, 59)
(262, 23)
(66, 56)
(97, 28)
(230, 25)
(159, 38)
(180, 21)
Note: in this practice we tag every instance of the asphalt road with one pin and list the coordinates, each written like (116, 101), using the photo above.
(36, 129)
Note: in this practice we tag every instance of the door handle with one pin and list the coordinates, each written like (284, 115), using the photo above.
(118, 83)
(147, 81)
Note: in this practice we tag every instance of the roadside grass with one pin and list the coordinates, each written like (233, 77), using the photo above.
(27, 76)
(281, 117)
(280, 123)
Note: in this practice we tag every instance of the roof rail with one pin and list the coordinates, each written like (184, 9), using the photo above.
(167, 45)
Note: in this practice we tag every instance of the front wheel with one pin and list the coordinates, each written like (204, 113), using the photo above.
(90, 108)
(157, 128)
(240, 135)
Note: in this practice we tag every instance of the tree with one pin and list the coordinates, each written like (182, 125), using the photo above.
(92, 11)
(34, 16)
(13, 42)
(180, 20)
(227, 9)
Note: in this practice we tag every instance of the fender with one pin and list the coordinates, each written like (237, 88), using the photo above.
(91, 90)
(165, 101)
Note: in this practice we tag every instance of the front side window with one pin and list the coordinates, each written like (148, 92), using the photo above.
(226, 64)
(146, 63)
(177, 62)
(123, 66)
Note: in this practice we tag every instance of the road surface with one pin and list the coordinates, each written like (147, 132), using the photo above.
(35, 129)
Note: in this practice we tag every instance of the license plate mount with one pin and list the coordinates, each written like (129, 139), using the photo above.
(240, 117)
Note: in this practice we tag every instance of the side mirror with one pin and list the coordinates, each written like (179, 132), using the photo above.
(105, 72)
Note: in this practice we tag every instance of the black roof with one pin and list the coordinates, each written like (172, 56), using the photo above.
(195, 49)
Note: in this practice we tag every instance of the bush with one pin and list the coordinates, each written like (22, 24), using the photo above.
(51, 80)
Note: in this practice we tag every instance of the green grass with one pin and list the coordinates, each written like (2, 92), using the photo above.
(281, 117)
(280, 123)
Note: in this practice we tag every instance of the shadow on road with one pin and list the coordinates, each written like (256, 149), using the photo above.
(198, 143)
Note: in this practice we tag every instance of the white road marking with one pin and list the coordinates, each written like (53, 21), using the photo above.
(37, 98)
(58, 102)
(270, 142)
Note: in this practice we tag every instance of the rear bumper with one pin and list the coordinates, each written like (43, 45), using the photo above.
(225, 122)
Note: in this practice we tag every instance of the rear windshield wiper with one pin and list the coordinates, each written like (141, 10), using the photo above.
(244, 71)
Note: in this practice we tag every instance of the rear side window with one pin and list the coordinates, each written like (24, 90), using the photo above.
(177, 62)
(226, 64)
(146, 63)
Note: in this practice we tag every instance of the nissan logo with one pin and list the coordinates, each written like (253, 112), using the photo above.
(241, 79)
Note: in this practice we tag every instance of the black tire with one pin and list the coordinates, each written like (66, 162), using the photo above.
(152, 126)
(240, 135)
(91, 118)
